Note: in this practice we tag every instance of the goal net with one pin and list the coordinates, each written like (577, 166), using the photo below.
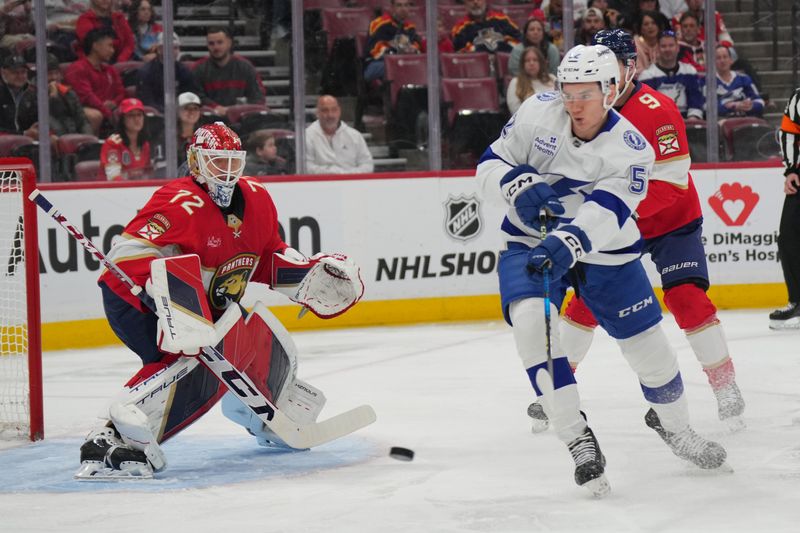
(20, 347)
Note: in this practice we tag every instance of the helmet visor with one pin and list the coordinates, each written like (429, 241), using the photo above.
(222, 166)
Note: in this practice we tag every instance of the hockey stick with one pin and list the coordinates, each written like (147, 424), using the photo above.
(546, 291)
(294, 435)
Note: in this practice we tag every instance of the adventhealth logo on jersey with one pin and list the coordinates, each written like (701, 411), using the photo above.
(546, 145)
(462, 217)
(733, 203)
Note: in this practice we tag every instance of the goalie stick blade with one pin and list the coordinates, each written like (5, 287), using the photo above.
(318, 433)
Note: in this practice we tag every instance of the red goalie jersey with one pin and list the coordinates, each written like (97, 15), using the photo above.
(671, 200)
(180, 218)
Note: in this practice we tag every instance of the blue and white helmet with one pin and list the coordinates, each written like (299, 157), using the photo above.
(621, 43)
(586, 64)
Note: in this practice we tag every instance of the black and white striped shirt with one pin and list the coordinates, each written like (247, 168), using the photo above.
(789, 134)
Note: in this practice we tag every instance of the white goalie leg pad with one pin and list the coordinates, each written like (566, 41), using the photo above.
(650, 355)
(575, 340)
(709, 344)
(562, 405)
(301, 401)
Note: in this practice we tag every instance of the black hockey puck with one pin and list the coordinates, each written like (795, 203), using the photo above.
(401, 454)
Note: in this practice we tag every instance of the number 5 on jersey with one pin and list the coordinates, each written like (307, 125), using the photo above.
(638, 180)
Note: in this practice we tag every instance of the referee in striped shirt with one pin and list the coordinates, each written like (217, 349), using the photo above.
(789, 235)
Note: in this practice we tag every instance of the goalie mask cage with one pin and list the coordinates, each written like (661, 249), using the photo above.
(20, 329)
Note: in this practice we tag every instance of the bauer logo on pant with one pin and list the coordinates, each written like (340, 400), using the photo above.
(462, 217)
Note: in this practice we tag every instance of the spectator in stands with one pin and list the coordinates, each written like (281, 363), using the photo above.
(150, 77)
(651, 6)
(141, 19)
(484, 30)
(591, 22)
(101, 15)
(677, 80)
(445, 43)
(225, 79)
(16, 23)
(188, 122)
(126, 153)
(736, 93)
(618, 15)
(96, 83)
(66, 111)
(333, 147)
(696, 8)
(391, 33)
(534, 77)
(671, 8)
(649, 26)
(692, 47)
(554, 18)
(534, 34)
(17, 99)
(262, 155)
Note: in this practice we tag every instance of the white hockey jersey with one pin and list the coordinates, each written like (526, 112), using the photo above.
(599, 182)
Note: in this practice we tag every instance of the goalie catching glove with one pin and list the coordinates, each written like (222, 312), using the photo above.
(325, 284)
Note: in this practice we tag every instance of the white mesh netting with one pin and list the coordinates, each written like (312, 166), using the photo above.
(14, 395)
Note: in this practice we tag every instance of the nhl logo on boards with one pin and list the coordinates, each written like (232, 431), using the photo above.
(462, 217)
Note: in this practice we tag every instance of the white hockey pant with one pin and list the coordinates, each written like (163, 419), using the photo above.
(561, 403)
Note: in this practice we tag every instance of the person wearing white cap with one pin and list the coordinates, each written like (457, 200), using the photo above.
(188, 121)
(150, 84)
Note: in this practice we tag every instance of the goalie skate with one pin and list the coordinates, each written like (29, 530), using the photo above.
(105, 457)
(688, 445)
(590, 464)
(539, 420)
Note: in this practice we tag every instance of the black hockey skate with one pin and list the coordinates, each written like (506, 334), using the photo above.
(105, 456)
(590, 464)
(785, 318)
(689, 445)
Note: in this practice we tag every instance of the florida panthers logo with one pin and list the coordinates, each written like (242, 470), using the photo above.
(230, 280)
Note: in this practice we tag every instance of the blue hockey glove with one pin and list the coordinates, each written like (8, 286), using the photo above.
(559, 251)
(522, 187)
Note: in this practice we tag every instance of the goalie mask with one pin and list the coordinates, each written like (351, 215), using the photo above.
(215, 157)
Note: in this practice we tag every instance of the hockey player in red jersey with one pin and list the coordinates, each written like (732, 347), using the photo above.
(670, 221)
(220, 229)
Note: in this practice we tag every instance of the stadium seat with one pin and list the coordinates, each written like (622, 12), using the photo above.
(405, 71)
(474, 119)
(450, 14)
(474, 65)
(309, 5)
(501, 64)
(748, 139)
(696, 135)
(406, 99)
(344, 23)
(235, 112)
(519, 14)
(68, 146)
(8, 143)
(418, 17)
(261, 120)
(87, 171)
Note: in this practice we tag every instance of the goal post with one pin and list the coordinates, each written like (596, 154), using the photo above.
(21, 405)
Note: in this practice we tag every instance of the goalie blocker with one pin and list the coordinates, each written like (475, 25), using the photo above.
(167, 396)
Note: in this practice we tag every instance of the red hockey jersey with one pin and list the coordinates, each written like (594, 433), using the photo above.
(671, 200)
(180, 218)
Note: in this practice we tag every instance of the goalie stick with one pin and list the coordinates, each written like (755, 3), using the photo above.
(295, 435)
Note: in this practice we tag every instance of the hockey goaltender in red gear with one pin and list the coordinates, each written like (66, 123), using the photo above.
(194, 246)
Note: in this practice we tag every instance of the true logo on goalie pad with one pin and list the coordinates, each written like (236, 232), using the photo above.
(463, 217)
(230, 280)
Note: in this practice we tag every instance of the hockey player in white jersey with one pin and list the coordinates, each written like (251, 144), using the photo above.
(573, 155)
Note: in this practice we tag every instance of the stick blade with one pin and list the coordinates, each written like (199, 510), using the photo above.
(318, 433)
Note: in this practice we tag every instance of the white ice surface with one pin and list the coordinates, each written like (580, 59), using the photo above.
(457, 395)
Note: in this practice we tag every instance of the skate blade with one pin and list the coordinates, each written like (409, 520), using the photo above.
(723, 469)
(792, 323)
(92, 473)
(599, 487)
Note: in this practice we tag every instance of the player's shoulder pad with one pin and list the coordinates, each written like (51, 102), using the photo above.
(627, 146)
(538, 109)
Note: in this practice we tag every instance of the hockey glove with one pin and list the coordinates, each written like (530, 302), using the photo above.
(559, 251)
(523, 188)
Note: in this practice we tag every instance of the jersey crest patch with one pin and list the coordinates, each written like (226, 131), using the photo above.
(230, 280)
(667, 140)
(547, 96)
(634, 140)
(508, 126)
(155, 227)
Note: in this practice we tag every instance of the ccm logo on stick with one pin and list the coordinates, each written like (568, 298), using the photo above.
(638, 306)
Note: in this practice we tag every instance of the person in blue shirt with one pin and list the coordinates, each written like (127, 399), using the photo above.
(736, 93)
(676, 79)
